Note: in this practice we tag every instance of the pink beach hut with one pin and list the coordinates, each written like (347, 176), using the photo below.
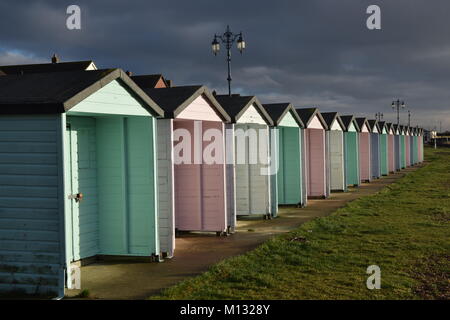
(317, 176)
(364, 149)
(191, 165)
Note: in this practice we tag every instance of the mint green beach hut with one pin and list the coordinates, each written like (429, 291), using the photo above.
(77, 174)
(384, 148)
(351, 142)
(288, 183)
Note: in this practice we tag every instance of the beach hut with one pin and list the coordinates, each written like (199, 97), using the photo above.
(54, 66)
(402, 147)
(77, 174)
(251, 174)
(391, 147)
(418, 151)
(407, 147)
(351, 147)
(412, 143)
(384, 148)
(364, 149)
(191, 164)
(336, 150)
(415, 149)
(156, 81)
(420, 144)
(316, 152)
(287, 184)
(397, 145)
(375, 151)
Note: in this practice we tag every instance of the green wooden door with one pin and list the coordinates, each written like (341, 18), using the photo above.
(383, 153)
(289, 177)
(72, 216)
(351, 160)
(81, 177)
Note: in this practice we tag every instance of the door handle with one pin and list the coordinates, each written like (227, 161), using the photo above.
(77, 197)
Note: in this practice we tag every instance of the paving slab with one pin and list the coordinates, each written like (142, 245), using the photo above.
(195, 253)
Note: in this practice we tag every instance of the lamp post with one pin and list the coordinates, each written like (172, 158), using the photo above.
(409, 118)
(379, 116)
(398, 104)
(228, 38)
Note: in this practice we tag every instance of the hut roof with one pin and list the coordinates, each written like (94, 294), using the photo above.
(174, 100)
(277, 111)
(236, 105)
(307, 114)
(47, 67)
(58, 92)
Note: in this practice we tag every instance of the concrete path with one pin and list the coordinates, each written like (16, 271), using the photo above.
(195, 253)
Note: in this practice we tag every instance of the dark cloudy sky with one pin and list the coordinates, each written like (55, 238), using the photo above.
(308, 52)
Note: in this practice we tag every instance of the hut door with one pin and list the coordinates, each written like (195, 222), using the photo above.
(73, 247)
(337, 163)
(188, 178)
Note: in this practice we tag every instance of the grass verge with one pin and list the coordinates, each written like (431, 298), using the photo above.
(404, 229)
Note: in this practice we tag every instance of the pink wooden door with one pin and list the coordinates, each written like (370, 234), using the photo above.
(187, 179)
(214, 217)
(391, 152)
(316, 160)
(364, 149)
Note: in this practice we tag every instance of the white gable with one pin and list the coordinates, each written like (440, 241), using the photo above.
(336, 126)
(315, 123)
(91, 66)
(251, 115)
(288, 120)
(111, 99)
(375, 129)
(199, 109)
(352, 127)
(365, 128)
(384, 130)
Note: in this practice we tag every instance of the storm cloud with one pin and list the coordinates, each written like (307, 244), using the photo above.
(309, 52)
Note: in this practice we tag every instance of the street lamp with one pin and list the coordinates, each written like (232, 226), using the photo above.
(409, 118)
(228, 38)
(398, 104)
(379, 116)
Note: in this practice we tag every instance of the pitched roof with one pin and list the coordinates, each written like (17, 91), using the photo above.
(389, 126)
(361, 122)
(47, 67)
(348, 120)
(330, 117)
(374, 123)
(58, 92)
(307, 114)
(148, 80)
(236, 105)
(277, 111)
(396, 128)
(2, 73)
(176, 99)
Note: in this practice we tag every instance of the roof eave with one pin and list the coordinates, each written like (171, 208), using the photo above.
(115, 74)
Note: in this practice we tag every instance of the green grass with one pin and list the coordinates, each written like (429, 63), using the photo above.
(404, 229)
